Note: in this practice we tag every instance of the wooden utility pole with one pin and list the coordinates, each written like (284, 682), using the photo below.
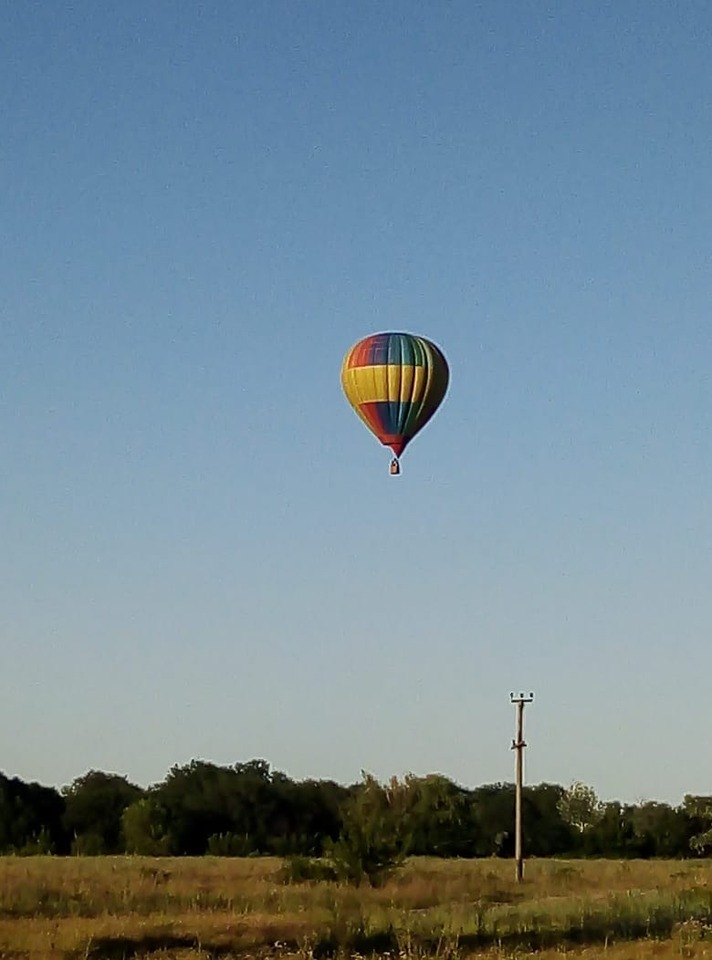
(519, 746)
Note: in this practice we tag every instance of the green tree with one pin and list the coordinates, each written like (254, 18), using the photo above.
(580, 807)
(493, 815)
(316, 815)
(31, 818)
(612, 835)
(94, 806)
(439, 814)
(375, 836)
(200, 801)
(243, 809)
(661, 830)
(545, 832)
(698, 809)
(146, 829)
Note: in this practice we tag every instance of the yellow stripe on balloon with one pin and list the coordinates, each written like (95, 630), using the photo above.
(383, 383)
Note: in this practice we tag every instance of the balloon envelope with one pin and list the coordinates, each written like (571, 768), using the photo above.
(395, 382)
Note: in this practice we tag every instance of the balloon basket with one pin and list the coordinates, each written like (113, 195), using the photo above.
(395, 468)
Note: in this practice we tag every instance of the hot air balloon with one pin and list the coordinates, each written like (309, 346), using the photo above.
(395, 382)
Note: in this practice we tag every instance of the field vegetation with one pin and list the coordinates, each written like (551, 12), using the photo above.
(123, 907)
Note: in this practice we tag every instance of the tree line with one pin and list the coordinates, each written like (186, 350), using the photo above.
(247, 809)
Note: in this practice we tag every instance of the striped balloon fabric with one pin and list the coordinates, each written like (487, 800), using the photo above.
(395, 382)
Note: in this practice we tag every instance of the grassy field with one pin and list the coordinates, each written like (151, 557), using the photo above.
(128, 907)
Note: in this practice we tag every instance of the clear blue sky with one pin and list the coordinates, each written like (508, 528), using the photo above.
(203, 206)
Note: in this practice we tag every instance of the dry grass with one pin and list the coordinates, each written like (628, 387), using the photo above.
(189, 908)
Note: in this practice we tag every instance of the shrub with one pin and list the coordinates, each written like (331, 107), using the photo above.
(307, 870)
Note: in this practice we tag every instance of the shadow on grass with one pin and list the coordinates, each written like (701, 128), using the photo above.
(621, 920)
(125, 947)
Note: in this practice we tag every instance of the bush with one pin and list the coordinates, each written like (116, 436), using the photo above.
(38, 845)
(229, 845)
(375, 836)
(307, 870)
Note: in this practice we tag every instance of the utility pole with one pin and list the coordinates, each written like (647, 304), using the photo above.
(519, 746)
